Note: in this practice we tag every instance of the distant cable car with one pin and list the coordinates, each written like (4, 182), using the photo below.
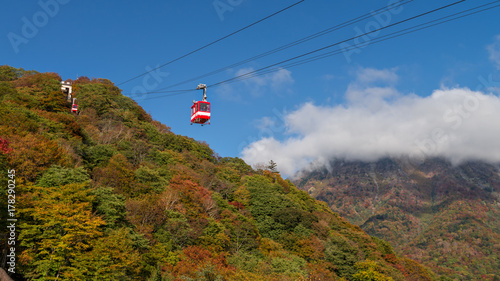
(74, 106)
(200, 111)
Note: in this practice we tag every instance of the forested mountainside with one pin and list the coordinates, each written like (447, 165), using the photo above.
(445, 216)
(110, 194)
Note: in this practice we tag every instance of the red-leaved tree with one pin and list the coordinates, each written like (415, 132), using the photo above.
(4, 146)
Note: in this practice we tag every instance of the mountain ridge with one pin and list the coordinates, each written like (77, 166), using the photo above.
(111, 194)
(422, 209)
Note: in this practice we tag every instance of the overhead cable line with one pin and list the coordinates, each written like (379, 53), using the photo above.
(378, 40)
(292, 44)
(396, 34)
(284, 47)
(213, 42)
(340, 42)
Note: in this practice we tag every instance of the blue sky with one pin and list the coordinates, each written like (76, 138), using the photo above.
(118, 40)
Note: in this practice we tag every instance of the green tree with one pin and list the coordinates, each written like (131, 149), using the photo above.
(98, 155)
(9, 73)
(110, 205)
(292, 266)
(59, 176)
(7, 89)
(342, 254)
(272, 166)
(112, 257)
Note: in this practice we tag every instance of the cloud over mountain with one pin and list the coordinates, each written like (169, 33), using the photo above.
(378, 121)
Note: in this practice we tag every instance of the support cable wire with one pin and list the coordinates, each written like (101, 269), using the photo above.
(286, 46)
(338, 43)
(213, 42)
(292, 44)
(374, 41)
(396, 34)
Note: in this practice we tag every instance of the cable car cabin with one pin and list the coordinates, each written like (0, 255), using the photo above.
(74, 108)
(200, 112)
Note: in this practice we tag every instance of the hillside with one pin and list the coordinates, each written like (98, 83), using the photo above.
(110, 194)
(445, 216)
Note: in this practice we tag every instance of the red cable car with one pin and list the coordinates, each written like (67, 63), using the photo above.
(74, 108)
(200, 111)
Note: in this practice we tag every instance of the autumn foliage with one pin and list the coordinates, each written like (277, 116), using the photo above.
(442, 215)
(4, 146)
(110, 194)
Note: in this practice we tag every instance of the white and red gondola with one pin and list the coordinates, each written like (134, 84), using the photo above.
(200, 110)
(74, 106)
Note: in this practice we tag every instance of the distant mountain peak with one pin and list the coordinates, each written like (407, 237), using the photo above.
(419, 207)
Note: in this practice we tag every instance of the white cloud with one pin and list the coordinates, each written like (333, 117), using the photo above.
(369, 75)
(282, 77)
(277, 81)
(265, 122)
(494, 50)
(377, 122)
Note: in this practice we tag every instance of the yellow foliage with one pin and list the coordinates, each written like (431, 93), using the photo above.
(369, 271)
(269, 247)
(242, 195)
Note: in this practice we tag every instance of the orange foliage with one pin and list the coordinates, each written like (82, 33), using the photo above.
(117, 174)
(33, 154)
(145, 214)
(415, 271)
(277, 179)
(196, 258)
(82, 80)
(311, 248)
(196, 199)
(321, 271)
(391, 258)
(68, 121)
(38, 79)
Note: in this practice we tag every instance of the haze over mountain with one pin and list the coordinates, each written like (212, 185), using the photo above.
(377, 120)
